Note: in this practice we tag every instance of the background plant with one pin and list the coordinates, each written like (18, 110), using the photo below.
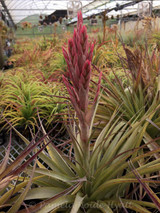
(22, 100)
(137, 94)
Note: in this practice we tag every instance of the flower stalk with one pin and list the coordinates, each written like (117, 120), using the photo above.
(78, 59)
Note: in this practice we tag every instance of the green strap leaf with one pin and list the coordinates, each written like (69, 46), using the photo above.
(104, 207)
(14, 190)
(56, 204)
(20, 200)
(129, 204)
(53, 174)
(56, 156)
(43, 192)
(77, 203)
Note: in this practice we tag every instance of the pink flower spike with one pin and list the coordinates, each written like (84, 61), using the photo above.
(71, 90)
(85, 75)
(80, 17)
(84, 32)
(90, 55)
(70, 47)
(65, 81)
(78, 59)
(65, 54)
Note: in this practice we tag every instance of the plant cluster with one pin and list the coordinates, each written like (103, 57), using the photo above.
(33, 86)
(26, 25)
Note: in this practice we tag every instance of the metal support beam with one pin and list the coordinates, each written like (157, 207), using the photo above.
(120, 7)
(7, 11)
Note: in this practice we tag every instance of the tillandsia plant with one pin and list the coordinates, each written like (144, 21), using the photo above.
(99, 175)
(138, 96)
(21, 100)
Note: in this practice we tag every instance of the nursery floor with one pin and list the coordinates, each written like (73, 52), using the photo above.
(16, 148)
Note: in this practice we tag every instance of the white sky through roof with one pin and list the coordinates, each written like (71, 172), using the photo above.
(20, 9)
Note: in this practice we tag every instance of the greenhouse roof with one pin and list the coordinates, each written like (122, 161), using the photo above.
(128, 7)
(17, 10)
(20, 9)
